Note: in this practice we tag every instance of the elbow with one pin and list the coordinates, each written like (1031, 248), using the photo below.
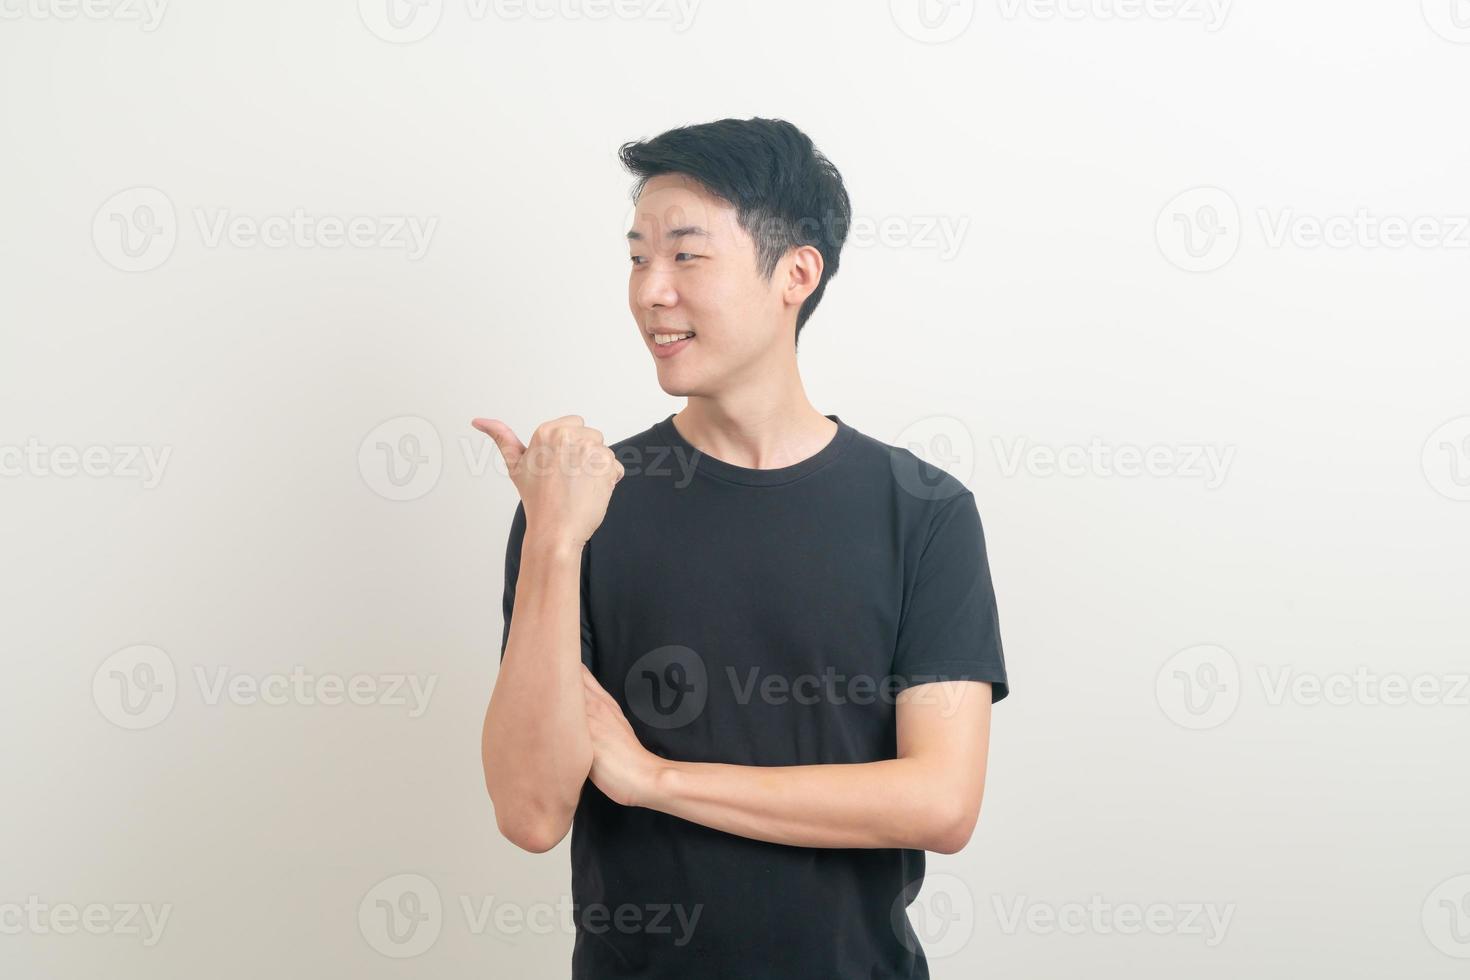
(534, 841)
(534, 818)
(530, 834)
(952, 828)
(532, 824)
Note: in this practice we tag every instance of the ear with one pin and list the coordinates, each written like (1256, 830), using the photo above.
(803, 274)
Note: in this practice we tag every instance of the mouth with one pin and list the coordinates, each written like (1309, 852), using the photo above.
(669, 344)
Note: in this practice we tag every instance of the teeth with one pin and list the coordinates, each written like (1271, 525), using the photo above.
(668, 338)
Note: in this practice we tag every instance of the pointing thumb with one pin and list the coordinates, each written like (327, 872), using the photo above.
(510, 447)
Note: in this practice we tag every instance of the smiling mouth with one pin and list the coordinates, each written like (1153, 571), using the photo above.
(664, 339)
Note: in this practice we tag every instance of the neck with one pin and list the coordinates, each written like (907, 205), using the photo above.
(759, 428)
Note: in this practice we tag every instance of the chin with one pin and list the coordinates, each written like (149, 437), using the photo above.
(675, 384)
(676, 390)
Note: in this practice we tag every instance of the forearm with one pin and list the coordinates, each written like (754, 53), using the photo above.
(536, 748)
(891, 803)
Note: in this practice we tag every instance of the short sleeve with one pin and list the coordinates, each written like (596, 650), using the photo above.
(512, 575)
(950, 628)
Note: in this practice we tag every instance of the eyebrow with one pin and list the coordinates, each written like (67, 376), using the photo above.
(685, 232)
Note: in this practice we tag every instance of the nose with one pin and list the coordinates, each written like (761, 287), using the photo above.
(654, 289)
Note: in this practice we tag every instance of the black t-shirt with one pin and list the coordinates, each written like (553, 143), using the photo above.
(765, 618)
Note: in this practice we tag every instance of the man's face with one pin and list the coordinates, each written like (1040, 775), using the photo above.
(693, 268)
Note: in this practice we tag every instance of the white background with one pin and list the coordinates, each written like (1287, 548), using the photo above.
(1086, 307)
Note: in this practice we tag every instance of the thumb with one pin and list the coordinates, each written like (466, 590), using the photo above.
(510, 447)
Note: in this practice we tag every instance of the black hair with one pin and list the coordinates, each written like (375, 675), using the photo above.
(784, 191)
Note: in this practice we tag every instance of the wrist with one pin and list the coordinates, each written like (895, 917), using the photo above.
(552, 544)
(660, 784)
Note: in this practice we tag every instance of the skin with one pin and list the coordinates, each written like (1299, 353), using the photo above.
(534, 746)
(692, 267)
(746, 404)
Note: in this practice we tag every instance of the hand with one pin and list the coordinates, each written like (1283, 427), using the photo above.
(621, 767)
(565, 476)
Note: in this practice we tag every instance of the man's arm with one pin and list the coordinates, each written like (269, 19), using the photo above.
(928, 798)
(535, 747)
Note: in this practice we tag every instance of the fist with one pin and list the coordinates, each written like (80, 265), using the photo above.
(565, 475)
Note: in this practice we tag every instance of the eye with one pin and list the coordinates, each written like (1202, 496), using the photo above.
(639, 260)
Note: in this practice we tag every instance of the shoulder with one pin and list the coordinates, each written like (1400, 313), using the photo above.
(647, 437)
(644, 454)
(917, 484)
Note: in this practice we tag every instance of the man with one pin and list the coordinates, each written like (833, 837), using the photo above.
(788, 637)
